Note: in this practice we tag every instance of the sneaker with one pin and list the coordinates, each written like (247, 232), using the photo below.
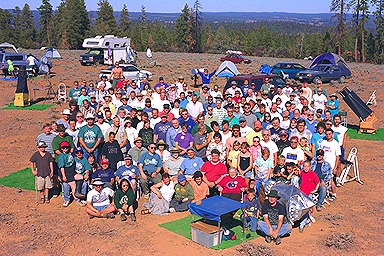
(338, 182)
(66, 203)
(268, 239)
(278, 240)
(110, 216)
(318, 208)
(133, 217)
(301, 229)
(312, 219)
(123, 217)
(172, 210)
(91, 216)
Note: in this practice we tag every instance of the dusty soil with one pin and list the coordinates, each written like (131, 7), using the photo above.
(30, 229)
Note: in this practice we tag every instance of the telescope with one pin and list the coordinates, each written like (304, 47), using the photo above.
(22, 94)
(366, 115)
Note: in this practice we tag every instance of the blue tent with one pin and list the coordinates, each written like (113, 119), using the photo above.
(213, 207)
(330, 58)
(52, 53)
(227, 69)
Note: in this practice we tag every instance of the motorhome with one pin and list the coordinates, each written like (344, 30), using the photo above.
(107, 50)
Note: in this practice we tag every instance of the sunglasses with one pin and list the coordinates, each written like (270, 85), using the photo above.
(79, 116)
(152, 147)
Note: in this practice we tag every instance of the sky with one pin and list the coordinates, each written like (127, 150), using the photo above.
(175, 6)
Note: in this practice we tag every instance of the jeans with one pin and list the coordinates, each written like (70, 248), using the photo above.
(67, 190)
(322, 194)
(145, 185)
(250, 222)
(95, 154)
(263, 227)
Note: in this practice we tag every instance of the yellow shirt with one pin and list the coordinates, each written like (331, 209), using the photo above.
(234, 157)
(252, 134)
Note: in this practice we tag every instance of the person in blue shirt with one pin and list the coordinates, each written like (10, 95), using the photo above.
(183, 100)
(192, 163)
(161, 83)
(209, 103)
(172, 132)
(149, 165)
(205, 77)
(186, 118)
(333, 105)
(128, 171)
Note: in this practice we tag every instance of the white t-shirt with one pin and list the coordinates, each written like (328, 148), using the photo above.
(331, 151)
(175, 112)
(154, 121)
(272, 148)
(244, 131)
(293, 155)
(319, 101)
(104, 127)
(224, 137)
(132, 134)
(167, 191)
(285, 124)
(341, 130)
(100, 199)
(194, 109)
(276, 114)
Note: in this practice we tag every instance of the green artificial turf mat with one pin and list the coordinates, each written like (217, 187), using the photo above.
(181, 227)
(23, 179)
(353, 133)
(30, 107)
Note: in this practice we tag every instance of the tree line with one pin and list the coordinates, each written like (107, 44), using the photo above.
(68, 25)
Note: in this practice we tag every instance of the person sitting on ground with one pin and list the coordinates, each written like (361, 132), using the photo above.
(160, 197)
(183, 195)
(124, 199)
(99, 201)
(128, 171)
(274, 224)
(200, 188)
(42, 169)
(105, 174)
(251, 211)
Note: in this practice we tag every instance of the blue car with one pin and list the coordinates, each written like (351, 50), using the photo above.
(288, 68)
(324, 73)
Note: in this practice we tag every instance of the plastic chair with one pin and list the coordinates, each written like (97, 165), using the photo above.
(344, 118)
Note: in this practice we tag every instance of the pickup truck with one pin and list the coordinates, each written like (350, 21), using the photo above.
(92, 57)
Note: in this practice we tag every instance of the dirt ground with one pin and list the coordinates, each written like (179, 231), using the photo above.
(30, 229)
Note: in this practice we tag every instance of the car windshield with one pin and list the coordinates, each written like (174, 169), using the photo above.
(94, 52)
(318, 68)
(130, 69)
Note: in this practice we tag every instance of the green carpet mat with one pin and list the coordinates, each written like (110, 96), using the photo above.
(23, 179)
(31, 107)
(182, 228)
(353, 134)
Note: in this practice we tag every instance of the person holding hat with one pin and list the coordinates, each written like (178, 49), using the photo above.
(274, 224)
(98, 201)
(162, 151)
(172, 165)
(41, 163)
(183, 195)
(66, 164)
(333, 104)
(90, 136)
(128, 171)
(324, 171)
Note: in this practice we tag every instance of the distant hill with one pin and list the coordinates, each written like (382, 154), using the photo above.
(313, 19)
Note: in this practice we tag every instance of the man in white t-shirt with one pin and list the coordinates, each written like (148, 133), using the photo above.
(99, 201)
(195, 107)
(104, 126)
(293, 154)
(319, 100)
(266, 142)
(331, 155)
(244, 129)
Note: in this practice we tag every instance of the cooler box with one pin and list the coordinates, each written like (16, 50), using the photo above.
(206, 234)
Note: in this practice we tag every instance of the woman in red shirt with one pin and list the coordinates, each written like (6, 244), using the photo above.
(232, 185)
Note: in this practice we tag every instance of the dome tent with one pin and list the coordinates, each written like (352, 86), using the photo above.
(330, 58)
(52, 53)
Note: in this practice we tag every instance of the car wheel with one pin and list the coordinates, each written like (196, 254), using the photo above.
(342, 79)
(316, 79)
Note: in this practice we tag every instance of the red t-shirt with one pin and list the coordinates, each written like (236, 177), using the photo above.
(232, 186)
(213, 172)
(309, 181)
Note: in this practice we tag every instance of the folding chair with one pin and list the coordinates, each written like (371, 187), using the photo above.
(352, 157)
(372, 99)
(62, 92)
(344, 118)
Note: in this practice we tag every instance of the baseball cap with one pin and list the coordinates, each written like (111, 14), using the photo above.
(42, 144)
(104, 161)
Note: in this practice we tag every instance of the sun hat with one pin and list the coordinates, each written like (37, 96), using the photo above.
(175, 150)
(97, 182)
(273, 193)
(66, 112)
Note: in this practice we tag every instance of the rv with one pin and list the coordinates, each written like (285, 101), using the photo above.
(107, 50)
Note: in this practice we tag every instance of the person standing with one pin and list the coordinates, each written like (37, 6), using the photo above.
(116, 74)
(90, 137)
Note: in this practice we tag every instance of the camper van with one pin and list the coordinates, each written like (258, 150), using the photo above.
(107, 50)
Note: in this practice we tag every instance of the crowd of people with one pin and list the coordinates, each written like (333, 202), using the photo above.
(122, 139)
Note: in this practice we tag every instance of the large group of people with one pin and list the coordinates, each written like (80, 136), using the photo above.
(121, 140)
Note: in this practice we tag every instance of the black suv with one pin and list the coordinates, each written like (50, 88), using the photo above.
(93, 56)
(258, 79)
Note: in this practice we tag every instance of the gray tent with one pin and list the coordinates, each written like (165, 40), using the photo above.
(8, 45)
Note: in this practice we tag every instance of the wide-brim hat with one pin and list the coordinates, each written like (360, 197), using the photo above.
(273, 193)
(334, 95)
(162, 142)
(138, 139)
(175, 150)
(97, 182)
(66, 112)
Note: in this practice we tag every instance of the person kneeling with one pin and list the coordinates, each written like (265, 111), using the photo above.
(99, 201)
(273, 226)
(124, 199)
(183, 195)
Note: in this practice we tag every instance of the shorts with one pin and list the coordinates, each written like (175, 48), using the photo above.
(100, 208)
(42, 183)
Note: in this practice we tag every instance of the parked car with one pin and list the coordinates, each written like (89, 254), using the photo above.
(289, 68)
(19, 59)
(258, 79)
(324, 73)
(130, 71)
(235, 57)
(93, 56)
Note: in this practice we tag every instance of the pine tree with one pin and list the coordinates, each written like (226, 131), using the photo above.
(6, 20)
(143, 15)
(46, 15)
(197, 22)
(338, 6)
(124, 21)
(379, 22)
(182, 29)
(27, 28)
(105, 21)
